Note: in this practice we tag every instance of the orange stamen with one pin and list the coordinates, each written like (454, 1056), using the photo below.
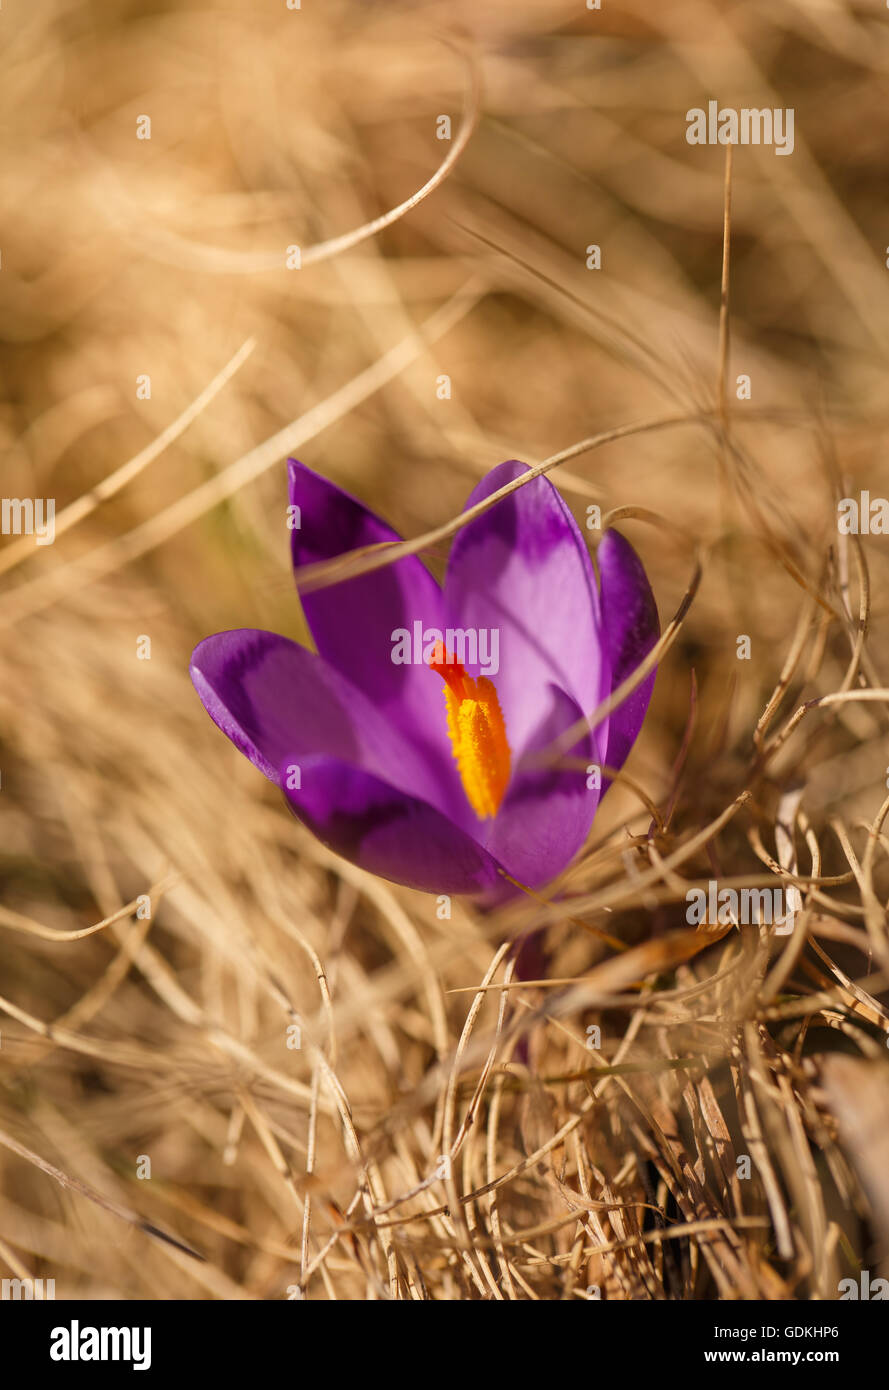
(477, 732)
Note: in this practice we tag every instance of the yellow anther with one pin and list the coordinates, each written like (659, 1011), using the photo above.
(478, 734)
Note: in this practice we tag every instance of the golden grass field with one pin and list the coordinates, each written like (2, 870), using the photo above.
(129, 1035)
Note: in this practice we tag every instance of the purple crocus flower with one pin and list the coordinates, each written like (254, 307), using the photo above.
(414, 742)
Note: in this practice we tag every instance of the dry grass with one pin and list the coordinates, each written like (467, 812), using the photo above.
(320, 1168)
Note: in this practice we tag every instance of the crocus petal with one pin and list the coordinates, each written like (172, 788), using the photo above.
(353, 623)
(523, 568)
(394, 835)
(631, 628)
(280, 704)
(549, 808)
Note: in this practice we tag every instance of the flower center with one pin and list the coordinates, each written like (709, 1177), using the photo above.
(478, 734)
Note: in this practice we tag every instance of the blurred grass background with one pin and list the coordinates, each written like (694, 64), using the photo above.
(165, 1036)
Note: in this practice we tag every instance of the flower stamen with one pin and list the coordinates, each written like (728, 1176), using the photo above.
(477, 732)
